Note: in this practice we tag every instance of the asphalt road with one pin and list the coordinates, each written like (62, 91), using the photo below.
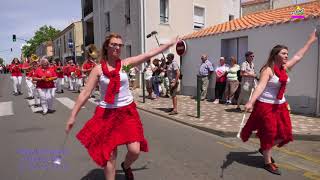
(29, 142)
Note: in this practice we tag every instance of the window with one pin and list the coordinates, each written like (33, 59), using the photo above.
(65, 44)
(128, 51)
(231, 17)
(164, 11)
(70, 35)
(127, 13)
(107, 16)
(198, 17)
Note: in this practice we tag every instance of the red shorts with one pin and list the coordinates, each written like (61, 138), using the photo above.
(109, 128)
(272, 121)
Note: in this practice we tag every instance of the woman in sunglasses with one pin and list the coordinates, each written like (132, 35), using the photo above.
(116, 120)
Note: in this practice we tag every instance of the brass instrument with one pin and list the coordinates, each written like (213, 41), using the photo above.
(59, 69)
(34, 58)
(93, 51)
(73, 75)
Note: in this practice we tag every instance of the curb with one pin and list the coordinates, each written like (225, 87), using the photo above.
(305, 137)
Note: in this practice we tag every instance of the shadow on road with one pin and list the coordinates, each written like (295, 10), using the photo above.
(245, 158)
(233, 110)
(164, 109)
(98, 174)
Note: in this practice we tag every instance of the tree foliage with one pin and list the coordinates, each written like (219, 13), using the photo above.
(1, 61)
(45, 33)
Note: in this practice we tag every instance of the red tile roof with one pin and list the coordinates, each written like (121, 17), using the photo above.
(259, 19)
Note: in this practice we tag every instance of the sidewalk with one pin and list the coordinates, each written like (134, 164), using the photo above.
(219, 119)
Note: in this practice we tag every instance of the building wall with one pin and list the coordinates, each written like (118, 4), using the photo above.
(271, 4)
(181, 19)
(255, 8)
(74, 32)
(301, 91)
(284, 3)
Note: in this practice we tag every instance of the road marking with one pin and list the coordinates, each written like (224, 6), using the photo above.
(227, 145)
(94, 101)
(6, 108)
(31, 104)
(293, 153)
(311, 175)
(288, 166)
(67, 102)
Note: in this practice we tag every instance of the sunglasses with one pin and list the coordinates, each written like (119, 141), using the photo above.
(113, 45)
(251, 56)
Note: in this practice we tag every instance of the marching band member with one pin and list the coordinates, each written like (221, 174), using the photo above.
(45, 77)
(78, 79)
(116, 120)
(16, 76)
(60, 74)
(35, 66)
(53, 67)
(71, 75)
(87, 67)
(28, 68)
(66, 75)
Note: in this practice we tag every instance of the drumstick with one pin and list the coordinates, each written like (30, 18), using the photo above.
(243, 117)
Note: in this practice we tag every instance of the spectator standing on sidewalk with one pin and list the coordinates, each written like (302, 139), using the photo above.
(156, 77)
(205, 71)
(232, 81)
(221, 79)
(147, 76)
(173, 75)
(248, 81)
(270, 115)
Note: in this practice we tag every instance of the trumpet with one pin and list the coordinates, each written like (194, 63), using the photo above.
(73, 75)
(93, 51)
(34, 58)
(58, 69)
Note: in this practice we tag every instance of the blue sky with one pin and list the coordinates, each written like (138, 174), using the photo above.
(24, 17)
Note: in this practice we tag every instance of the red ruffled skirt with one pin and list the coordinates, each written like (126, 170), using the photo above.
(272, 122)
(109, 128)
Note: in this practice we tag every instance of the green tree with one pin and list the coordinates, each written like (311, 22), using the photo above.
(1, 61)
(45, 33)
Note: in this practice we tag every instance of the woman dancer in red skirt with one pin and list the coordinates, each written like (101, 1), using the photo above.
(270, 115)
(116, 120)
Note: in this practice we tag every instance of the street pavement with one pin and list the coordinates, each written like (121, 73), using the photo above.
(177, 152)
(221, 119)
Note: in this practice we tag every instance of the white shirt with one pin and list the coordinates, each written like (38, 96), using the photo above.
(269, 95)
(123, 98)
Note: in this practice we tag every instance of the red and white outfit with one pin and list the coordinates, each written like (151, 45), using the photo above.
(60, 78)
(270, 116)
(30, 85)
(86, 66)
(71, 76)
(65, 70)
(78, 81)
(45, 88)
(16, 76)
(115, 121)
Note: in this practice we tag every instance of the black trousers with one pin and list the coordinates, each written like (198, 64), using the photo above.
(219, 90)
